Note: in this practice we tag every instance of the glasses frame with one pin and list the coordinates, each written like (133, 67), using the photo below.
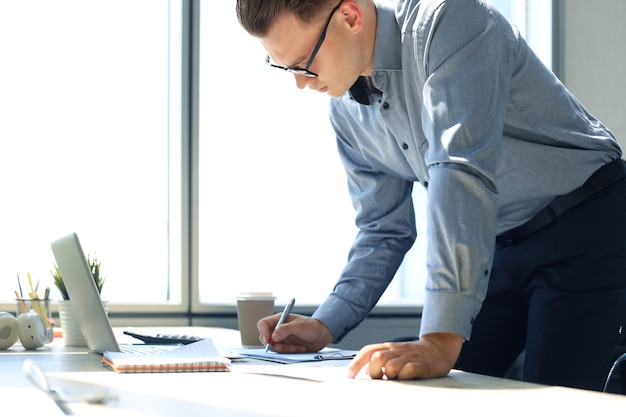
(305, 71)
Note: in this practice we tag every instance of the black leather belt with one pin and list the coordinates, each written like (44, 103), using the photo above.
(602, 178)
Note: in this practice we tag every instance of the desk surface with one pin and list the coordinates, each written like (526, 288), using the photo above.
(257, 388)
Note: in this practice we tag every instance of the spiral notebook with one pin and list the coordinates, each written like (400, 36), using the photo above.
(201, 356)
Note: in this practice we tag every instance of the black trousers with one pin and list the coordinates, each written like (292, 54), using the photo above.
(560, 296)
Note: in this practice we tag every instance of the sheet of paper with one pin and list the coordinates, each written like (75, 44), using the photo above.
(323, 355)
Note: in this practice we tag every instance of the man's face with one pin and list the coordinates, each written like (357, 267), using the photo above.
(290, 43)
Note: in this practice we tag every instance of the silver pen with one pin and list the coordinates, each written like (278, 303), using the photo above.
(282, 319)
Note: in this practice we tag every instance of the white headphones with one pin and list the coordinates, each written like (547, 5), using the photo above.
(28, 327)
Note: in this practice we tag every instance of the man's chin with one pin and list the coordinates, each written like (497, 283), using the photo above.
(335, 94)
(331, 92)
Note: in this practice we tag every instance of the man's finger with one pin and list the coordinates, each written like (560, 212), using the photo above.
(363, 358)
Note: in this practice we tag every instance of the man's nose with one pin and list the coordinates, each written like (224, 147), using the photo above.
(303, 81)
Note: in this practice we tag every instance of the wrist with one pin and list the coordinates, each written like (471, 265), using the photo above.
(326, 336)
(448, 343)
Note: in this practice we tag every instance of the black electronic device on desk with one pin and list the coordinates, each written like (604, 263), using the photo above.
(164, 339)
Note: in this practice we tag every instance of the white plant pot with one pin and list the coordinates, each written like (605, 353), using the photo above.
(72, 335)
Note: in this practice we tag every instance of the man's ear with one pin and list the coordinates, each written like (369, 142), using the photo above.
(352, 13)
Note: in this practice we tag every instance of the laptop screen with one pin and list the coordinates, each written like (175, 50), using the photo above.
(83, 294)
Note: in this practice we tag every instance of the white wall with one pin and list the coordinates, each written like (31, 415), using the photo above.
(593, 58)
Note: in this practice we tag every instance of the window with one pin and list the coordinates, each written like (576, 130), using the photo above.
(273, 204)
(533, 18)
(90, 126)
(91, 115)
(274, 213)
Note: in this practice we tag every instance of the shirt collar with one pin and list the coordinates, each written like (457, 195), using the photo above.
(388, 44)
(359, 91)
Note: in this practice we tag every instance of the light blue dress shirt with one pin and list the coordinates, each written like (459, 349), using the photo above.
(469, 112)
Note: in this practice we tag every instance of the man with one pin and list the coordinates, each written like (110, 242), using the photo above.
(448, 94)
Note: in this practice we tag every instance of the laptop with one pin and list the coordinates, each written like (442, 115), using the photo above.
(86, 302)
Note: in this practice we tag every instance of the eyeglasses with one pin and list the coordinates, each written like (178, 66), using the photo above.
(305, 71)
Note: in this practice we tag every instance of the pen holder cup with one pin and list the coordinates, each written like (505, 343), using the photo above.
(252, 307)
(40, 306)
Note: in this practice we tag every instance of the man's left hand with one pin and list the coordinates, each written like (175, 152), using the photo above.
(432, 356)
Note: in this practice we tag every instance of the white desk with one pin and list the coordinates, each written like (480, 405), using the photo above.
(250, 389)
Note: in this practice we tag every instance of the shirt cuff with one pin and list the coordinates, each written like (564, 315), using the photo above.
(448, 312)
(338, 316)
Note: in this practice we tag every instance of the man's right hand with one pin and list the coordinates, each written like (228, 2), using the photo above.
(297, 335)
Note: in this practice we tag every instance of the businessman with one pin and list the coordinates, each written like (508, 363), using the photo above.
(526, 206)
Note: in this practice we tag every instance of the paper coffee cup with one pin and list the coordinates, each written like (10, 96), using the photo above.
(252, 307)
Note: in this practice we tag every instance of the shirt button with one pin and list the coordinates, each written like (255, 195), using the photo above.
(385, 105)
(405, 146)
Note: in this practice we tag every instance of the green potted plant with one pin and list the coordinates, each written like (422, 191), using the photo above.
(94, 267)
(72, 335)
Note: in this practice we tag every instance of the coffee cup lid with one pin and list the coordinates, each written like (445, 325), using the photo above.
(259, 295)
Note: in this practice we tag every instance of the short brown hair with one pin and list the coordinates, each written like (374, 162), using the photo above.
(256, 16)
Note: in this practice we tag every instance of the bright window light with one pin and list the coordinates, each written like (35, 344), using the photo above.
(90, 128)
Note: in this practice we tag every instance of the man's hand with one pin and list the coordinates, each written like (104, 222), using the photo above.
(298, 334)
(432, 356)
